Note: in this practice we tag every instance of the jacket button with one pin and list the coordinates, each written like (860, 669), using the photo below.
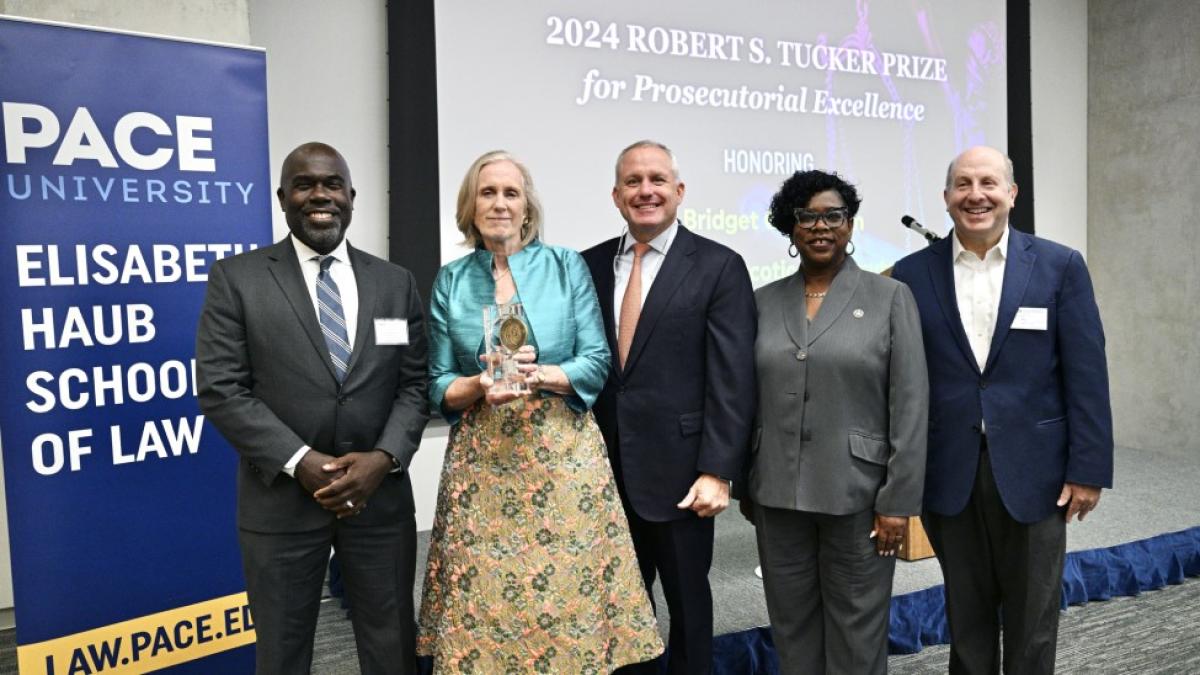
(806, 396)
(801, 355)
(983, 384)
(342, 400)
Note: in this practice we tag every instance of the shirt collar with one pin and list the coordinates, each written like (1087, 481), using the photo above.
(305, 252)
(660, 243)
(1000, 249)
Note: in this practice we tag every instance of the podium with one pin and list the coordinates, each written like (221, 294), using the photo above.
(916, 544)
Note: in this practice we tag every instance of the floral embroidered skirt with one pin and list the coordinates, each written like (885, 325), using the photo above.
(531, 567)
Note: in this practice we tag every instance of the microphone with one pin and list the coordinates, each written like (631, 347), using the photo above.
(912, 224)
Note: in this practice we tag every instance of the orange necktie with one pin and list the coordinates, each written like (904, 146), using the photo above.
(631, 304)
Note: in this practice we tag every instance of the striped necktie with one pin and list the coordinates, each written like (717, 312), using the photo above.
(333, 320)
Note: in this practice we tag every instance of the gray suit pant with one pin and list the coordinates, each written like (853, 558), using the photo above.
(284, 577)
(828, 591)
(999, 572)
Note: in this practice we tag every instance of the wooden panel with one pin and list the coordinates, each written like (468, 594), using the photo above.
(916, 544)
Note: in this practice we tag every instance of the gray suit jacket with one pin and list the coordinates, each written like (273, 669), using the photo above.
(266, 382)
(843, 402)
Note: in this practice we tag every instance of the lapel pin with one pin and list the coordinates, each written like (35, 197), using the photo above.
(858, 313)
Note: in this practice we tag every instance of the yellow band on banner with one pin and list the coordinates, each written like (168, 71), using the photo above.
(146, 643)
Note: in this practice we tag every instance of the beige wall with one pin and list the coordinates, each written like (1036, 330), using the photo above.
(214, 20)
(219, 21)
(1143, 152)
(335, 93)
(1058, 91)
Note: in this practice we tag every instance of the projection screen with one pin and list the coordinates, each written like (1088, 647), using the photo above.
(883, 92)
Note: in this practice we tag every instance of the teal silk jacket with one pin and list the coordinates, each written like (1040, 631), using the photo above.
(560, 305)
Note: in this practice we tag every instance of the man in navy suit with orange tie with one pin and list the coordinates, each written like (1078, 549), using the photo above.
(1020, 426)
(677, 407)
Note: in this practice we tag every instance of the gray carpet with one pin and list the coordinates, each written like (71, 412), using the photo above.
(1154, 633)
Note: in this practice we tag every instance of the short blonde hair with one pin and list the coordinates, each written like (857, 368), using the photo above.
(465, 213)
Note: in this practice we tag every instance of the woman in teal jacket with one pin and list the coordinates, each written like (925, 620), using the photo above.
(531, 567)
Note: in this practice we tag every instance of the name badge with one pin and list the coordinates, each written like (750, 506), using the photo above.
(1030, 318)
(392, 332)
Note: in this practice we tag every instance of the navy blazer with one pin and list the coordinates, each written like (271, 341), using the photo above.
(684, 403)
(1043, 394)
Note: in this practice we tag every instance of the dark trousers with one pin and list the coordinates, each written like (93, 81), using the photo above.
(999, 573)
(679, 554)
(284, 573)
(828, 590)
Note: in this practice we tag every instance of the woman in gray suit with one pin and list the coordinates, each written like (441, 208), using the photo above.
(838, 458)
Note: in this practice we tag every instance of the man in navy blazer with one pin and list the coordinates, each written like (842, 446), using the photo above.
(677, 408)
(1020, 426)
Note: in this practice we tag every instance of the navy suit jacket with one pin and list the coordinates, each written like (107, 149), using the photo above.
(1043, 394)
(684, 403)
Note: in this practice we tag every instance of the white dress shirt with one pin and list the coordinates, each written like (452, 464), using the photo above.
(977, 286)
(343, 275)
(652, 261)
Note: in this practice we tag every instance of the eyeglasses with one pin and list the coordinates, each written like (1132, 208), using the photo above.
(834, 218)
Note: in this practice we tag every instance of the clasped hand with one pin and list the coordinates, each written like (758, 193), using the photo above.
(527, 366)
(343, 484)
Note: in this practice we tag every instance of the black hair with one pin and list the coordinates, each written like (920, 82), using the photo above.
(798, 190)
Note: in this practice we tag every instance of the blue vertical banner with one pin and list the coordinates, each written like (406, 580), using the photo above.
(130, 164)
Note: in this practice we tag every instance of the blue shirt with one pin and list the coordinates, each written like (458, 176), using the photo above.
(560, 305)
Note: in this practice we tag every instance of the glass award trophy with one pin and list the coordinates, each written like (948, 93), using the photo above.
(505, 331)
